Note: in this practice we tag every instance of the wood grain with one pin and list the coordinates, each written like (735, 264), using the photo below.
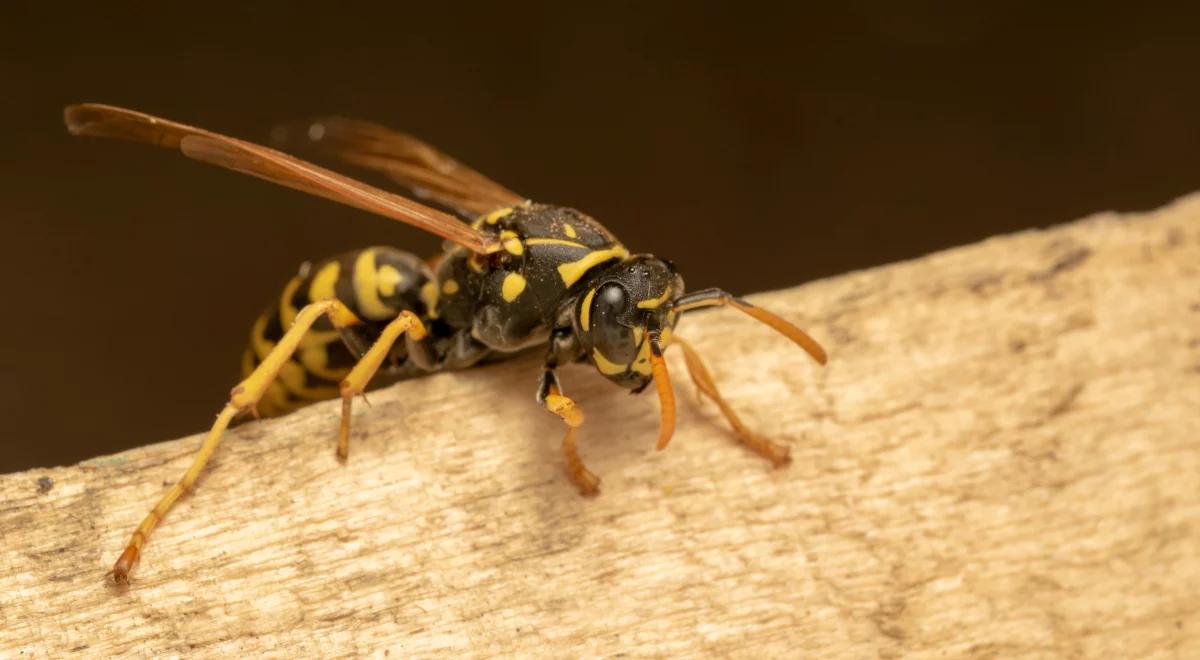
(1002, 459)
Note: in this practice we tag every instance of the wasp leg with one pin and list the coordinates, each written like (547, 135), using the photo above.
(245, 396)
(776, 453)
(355, 383)
(552, 397)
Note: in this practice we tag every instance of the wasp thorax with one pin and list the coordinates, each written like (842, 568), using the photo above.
(617, 314)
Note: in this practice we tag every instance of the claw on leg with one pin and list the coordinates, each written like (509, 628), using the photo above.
(777, 454)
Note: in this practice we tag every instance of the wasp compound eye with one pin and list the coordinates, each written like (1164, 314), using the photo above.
(610, 334)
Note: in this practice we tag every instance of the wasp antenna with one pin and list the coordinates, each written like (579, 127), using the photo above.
(717, 297)
(666, 394)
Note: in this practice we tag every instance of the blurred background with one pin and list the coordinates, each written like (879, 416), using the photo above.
(757, 148)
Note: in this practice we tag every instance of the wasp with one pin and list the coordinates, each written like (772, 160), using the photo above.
(513, 275)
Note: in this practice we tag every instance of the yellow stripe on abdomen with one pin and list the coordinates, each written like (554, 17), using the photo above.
(366, 287)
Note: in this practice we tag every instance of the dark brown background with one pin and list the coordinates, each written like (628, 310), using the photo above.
(755, 149)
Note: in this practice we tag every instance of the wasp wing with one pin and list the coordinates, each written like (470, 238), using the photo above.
(265, 163)
(424, 170)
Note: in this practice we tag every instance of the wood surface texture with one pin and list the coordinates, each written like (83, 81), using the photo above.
(1002, 459)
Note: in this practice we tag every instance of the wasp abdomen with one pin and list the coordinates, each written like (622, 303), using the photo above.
(375, 283)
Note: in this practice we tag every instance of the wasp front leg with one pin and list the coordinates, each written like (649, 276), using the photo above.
(772, 451)
(550, 395)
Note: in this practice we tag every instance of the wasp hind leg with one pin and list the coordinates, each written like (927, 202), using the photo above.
(244, 397)
(777, 454)
(551, 396)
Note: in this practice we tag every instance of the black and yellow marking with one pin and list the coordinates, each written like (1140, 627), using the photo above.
(373, 286)
(523, 274)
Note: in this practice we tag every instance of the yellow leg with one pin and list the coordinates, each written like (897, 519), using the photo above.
(583, 478)
(777, 454)
(356, 381)
(244, 396)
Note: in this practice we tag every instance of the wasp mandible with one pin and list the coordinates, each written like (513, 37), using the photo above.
(519, 275)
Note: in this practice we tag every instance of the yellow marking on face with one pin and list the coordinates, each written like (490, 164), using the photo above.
(585, 314)
(571, 272)
(641, 364)
(555, 241)
(569, 230)
(654, 303)
(287, 312)
(494, 217)
(511, 243)
(389, 279)
(512, 287)
(605, 365)
(323, 283)
(366, 287)
(450, 287)
(429, 296)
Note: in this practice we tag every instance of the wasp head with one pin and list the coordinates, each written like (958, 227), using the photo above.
(624, 313)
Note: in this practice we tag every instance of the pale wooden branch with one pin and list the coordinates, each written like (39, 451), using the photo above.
(1001, 459)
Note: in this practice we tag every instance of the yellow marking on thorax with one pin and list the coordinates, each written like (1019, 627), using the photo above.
(494, 217)
(585, 313)
(429, 296)
(555, 241)
(450, 287)
(654, 303)
(511, 243)
(366, 287)
(571, 272)
(605, 365)
(513, 286)
(569, 230)
(390, 279)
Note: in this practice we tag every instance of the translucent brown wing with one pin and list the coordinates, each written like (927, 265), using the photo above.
(427, 172)
(265, 163)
